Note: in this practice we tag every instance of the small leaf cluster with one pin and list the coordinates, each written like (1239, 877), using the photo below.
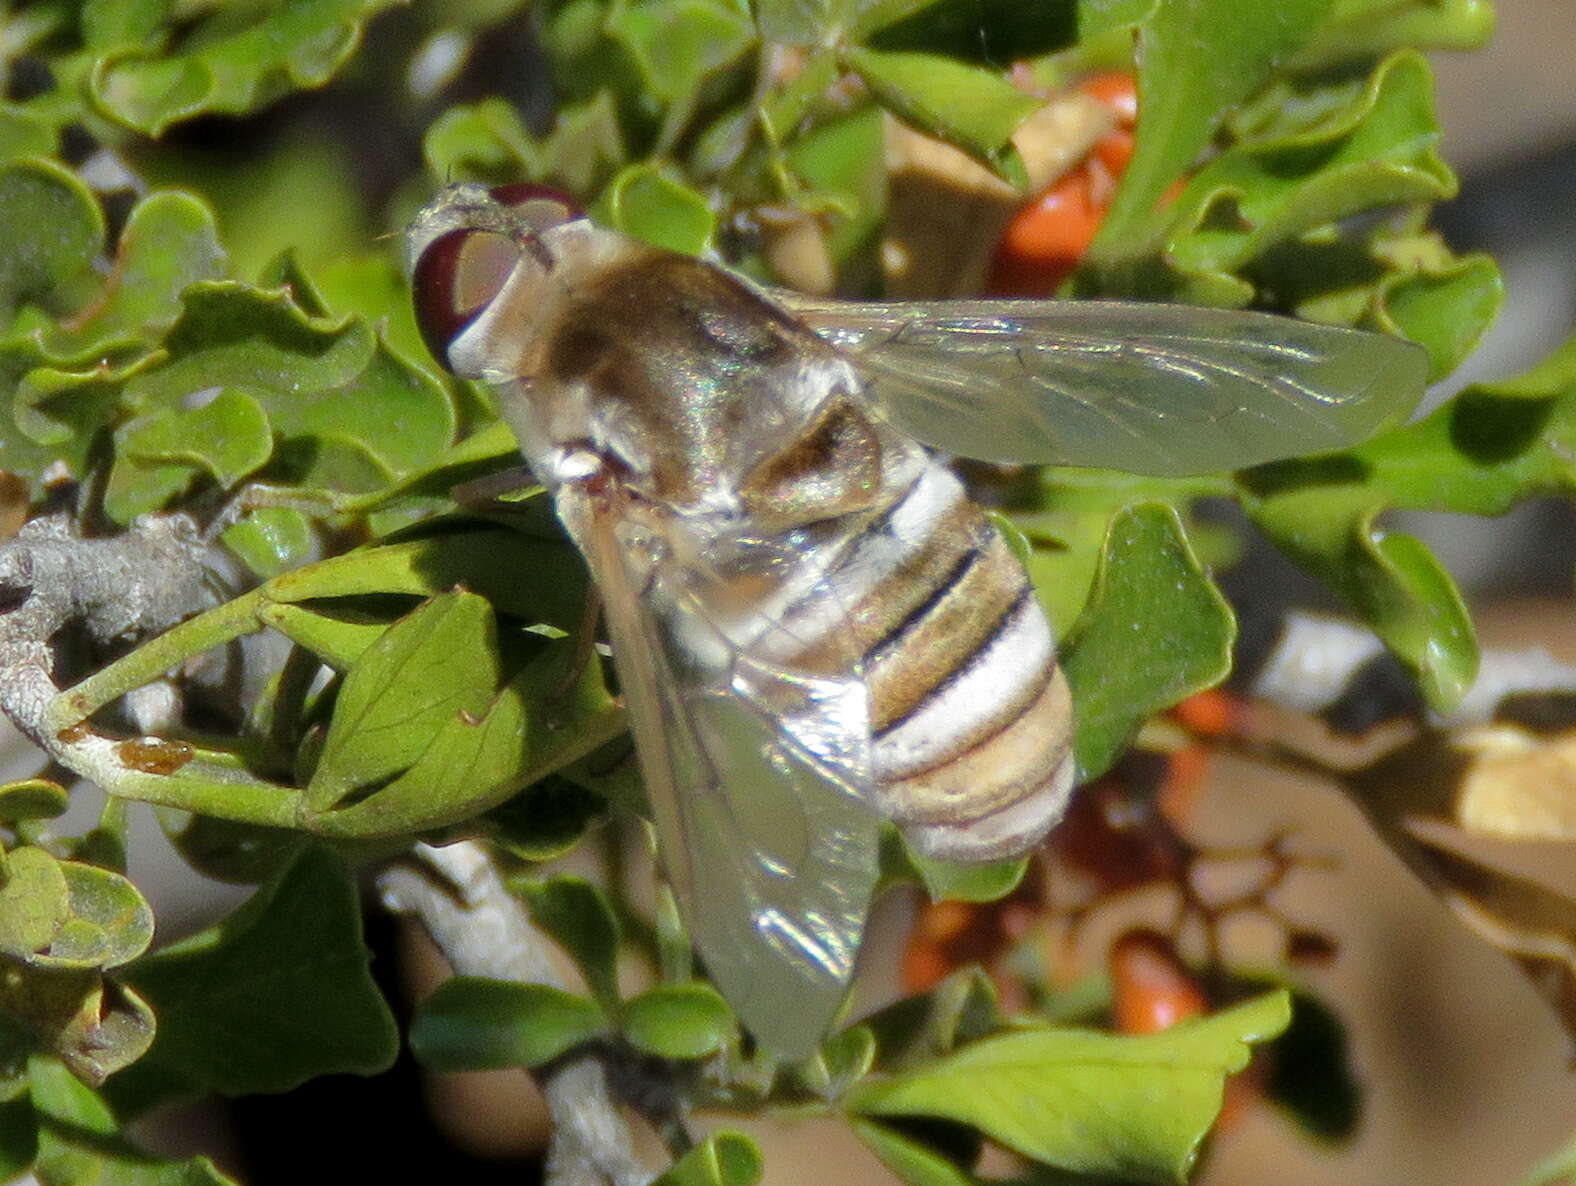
(1076, 1099)
(185, 327)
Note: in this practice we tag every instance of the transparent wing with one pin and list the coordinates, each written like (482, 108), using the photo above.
(1146, 388)
(754, 773)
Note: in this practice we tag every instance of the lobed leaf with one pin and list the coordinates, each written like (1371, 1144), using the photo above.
(1377, 150)
(271, 540)
(1085, 1101)
(580, 919)
(70, 915)
(224, 65)
(974, 109)
(677, 45)
(722, 1159)
(169, 241)
(469, 1024)
(54, 228)
(32, 798)
(913, 1162)
(439, 662)
(276, 994)
(1181, 105)
(649, 203)
(159, 455)
(1154, 631)
(678, 1021)
(79, 1140)
(1363, 28)
(93, 1025)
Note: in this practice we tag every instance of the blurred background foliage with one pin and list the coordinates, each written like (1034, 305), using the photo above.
(202, 295)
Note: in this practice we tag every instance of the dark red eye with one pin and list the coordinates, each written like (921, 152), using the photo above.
(455, 278)
(539, 206)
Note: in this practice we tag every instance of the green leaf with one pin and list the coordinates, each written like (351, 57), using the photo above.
(1377, 150)
(349, 414)
(69, 915)
(121, 22)
(271, 540)
(1085, 1101)
(276, 994)
(1196, 60)
(987, 32)
(1393, 582)
(80, 1142)
(25, 133)
(439, 662)
(913, 1032)
(32, 798)
(536, 580)
(1480, 453)
(956, 881)
(535, 726)
(722, 1159)
(580, 919)
(232, 334)
(34, 902)
(545, 820)
(840, 1062)
(803, 22)
(53, 229)
(911, 1161)
(974, 109)
(649, 203)
(1155, 631)
(1445, 308)
(679, 1021)
(1363, 28)
(157, 455)
(93, 1025)
(844, 160)
(469, 1024)
(677, 44)
(338, 641)
(488, 142)
(169, 241)
(109, 924)
(227, 65)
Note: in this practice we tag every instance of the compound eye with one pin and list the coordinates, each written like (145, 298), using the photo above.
(456, 277)
(540, 207)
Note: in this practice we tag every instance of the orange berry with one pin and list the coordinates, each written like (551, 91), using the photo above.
(1179, 789)
(1114, 150)
(1117, 91)
(1046, 238)
(924, 966)
(1152, 990)
(1211, 714)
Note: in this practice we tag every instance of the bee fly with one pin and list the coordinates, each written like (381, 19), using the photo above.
(813, 625)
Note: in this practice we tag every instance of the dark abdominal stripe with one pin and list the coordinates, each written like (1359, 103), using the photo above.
(986, 641)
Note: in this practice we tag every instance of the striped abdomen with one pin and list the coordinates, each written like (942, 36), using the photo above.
(971, 717)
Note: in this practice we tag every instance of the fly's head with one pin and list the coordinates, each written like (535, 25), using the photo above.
(487, 267)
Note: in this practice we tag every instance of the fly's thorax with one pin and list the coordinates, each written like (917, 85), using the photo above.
(692, 383)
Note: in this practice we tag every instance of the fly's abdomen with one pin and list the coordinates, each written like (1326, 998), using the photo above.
(971, 718)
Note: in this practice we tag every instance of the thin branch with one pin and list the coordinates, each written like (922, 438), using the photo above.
(482, 930)
(117, 589)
